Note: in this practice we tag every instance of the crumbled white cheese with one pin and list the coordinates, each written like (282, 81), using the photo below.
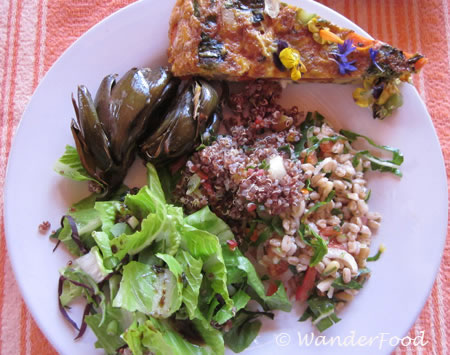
(344, 257)
(276, 167)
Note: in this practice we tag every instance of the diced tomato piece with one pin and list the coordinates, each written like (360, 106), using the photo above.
(307, 285)
(335, 244)
(208, 188)
(325, 147)
(202, 175)
(232, 244)
(312, 158)
(254, 237)
(276, 270)
(251, 207)
(272, 289)
(329, 232)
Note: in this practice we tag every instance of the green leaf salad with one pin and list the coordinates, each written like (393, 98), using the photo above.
(157, 281)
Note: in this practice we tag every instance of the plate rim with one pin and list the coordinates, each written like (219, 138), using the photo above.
(13, 148)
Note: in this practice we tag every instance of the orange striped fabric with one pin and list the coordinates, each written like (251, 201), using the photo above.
(34, 33)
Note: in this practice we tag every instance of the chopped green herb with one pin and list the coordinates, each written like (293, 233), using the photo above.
(285, 148)
(200, 147)
(336, 212)
(321, 203)
(277, 226)
(368, 196)
(308, 185)
(312, 120)
(317, 143)
(381, 250)
(322, 311)
(315, 241)
(264, 165)
(266, 233)
(339, 284)
(397, 156)
(379, 164)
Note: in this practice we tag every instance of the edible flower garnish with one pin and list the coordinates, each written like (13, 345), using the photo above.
(373, 55)
(330, 37)
(341, 57)
(317, 26)
(291, 59)
(364, 96)
(384, 97)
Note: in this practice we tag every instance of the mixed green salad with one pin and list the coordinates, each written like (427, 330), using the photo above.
(155, 280)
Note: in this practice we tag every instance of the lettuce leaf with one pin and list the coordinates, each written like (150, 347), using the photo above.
(92, 264)
(204, 219)
(69, 165)
(244, 330)
(158, 337)
(192, 279)
(240, 300)
(109, 332)
(238, 264)
(148, 291)
(154, 184)
(211, 336)
(204, 245)
(107, 211)
(86, 220)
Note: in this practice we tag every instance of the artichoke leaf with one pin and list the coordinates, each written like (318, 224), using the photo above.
(182, 136)
(162, 87)
(212, 127)
(208, 102)
(129, 97)
(92, 131)
(103, 105)
(83, 152)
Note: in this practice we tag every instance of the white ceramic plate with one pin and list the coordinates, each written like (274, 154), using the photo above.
(414, 207)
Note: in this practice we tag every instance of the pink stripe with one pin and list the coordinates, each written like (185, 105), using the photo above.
(2, 118)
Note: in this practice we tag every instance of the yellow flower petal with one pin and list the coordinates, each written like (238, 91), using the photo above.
(295, 74)
(290, 57)
(302, 67)
(362, 97)
(368, 83)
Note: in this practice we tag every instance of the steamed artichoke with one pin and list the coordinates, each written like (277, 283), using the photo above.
(194, 115)
(107, 130)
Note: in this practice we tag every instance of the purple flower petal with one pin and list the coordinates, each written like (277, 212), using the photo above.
(341, 57)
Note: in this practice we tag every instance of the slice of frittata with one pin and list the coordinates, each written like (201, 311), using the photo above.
(250, 39)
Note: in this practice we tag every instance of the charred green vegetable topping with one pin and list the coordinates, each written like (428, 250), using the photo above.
(210, 51)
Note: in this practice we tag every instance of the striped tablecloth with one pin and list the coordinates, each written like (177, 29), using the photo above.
(34, 33)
